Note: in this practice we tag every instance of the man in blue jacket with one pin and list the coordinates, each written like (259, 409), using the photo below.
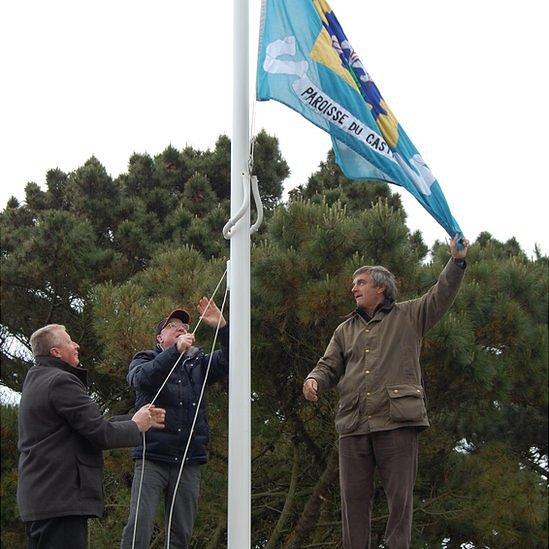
(179, 397)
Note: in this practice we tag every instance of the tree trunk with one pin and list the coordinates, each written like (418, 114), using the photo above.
(273, 540)
(309, 516)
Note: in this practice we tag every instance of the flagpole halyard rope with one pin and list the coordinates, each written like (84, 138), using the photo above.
(139, 492)
(211, 299)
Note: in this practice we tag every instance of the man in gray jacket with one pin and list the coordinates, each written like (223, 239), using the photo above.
(61, 437)
(373, 358)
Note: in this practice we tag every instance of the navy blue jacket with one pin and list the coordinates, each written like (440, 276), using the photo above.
(179, 397)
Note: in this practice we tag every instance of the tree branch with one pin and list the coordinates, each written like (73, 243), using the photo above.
(275, 535)
(309, 517)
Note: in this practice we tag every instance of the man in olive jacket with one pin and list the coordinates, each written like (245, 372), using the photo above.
(373, 357)
(61, 437)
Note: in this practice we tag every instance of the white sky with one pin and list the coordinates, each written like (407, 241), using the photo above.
(108, 78)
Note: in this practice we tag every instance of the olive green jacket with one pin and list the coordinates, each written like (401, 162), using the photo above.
(376, 364)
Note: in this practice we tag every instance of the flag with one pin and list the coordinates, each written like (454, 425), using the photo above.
(306, 62)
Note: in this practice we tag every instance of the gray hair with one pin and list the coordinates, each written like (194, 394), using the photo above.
(45, 338)
(381, 277)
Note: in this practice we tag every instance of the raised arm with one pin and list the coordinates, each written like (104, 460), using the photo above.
(427, 310)
(210, 313)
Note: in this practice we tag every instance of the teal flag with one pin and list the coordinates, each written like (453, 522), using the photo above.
(306, 62)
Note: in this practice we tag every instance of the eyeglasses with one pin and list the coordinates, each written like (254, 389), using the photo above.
(176, 325)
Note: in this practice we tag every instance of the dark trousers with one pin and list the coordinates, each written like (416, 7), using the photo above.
(159, 482)
(58, 533)
(395, 455)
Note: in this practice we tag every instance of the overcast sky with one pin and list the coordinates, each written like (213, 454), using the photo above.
(467, 80)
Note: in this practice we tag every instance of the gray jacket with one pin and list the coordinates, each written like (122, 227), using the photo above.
(61, 437)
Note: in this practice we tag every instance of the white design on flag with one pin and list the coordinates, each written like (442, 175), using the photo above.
(423, 179)
(275, 49)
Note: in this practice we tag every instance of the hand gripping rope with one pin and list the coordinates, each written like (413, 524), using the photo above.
(193, 423)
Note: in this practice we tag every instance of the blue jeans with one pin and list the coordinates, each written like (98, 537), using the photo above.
(159, 480)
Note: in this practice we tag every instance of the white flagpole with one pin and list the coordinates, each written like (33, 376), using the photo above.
(239, 490)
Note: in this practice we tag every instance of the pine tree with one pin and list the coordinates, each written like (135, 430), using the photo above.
(109, 266)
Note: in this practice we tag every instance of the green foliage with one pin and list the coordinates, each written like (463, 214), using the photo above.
(108, 258)
(485, 367)
(513, 514)
(87, 229)
(269, 167)
(198, 195)
(12, 533)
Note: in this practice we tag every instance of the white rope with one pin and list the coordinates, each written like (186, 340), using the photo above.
(139, 491)
(211, 299)
(253, 139)
(198, 407)
(252, 129)
(194, 421)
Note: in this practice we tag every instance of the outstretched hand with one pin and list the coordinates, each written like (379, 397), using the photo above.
(461, 251)
(210, 314)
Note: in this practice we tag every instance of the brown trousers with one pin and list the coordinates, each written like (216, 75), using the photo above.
(395, 455)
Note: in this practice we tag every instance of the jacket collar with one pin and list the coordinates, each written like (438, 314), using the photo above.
(385, 307)
(52, 362)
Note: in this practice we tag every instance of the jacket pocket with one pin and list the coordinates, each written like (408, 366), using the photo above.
(406, 403)
(347, 415)
(89, 468)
